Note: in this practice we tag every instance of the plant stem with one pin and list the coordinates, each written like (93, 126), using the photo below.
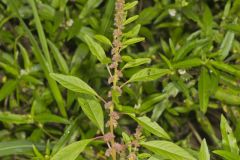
(116, 58)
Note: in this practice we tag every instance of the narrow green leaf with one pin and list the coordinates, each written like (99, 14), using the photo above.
(50, 118)
(204, 153)
(92, 108)
(133, 40)
(96, 49)
(9, 69)
(41, 34)
(107, 19)
(22, 147)
(150, 126)
(71, 151)
(229, 142)
(149, 74)
(226, 45)
(25, 56)
(227, 155)
(15, 118)
(207, 20)
(103, 39)
(168, 150)
(130, 20)
(62, 64)
(130, 5)
(149, 102)
(8, 88)
(136, 62)
(73, 126)
(188, 47)
(73, 83)
(133, 32)
(188, 63)
(203, 89)
(224, 96)
(226, 68)
(89, 7)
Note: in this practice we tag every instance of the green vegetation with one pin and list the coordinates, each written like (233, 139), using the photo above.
(119, 79)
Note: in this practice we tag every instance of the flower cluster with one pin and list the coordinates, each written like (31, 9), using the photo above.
(115, 148)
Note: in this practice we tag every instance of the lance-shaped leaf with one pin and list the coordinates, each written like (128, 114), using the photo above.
(50, 118)
(168, 150)
(18, 147)
(203, 89)
(8, 88)
(73, 83)
(229, 142)
(71, 151)
(149, 74)
(150, 126)
(15, 118)
(204, 153)
(92, 108)
(103, 39)
(226, 45)
(136, 62)
(227, 155)
(96, 49)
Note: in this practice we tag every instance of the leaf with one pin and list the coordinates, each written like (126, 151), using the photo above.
(73, 126)
(133, 32)
(61, 62)
(226, 45)
(229, 142)
(136, 62)
(204, 153)
(107, 19)
(227, 155)
(203, 89)
(73, 83)
(103, 39)
(156, 157)
(149, 102)
(89, 6)
(185, 49)
(149, 74)
(130, 5)
(48, 117)
(130, 20)
(147, 15)
(150, 126)
(9, 69)
(42, 37)
(15, 118)
(226, 68)
(207, 20)
(188, 63)
(92, 108)
(8, 88)
(168, 150)
(133, 40)
(17, 147)
(71, 151)
(96, 49)
(224, 96)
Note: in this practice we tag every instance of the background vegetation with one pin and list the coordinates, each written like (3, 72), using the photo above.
(180, 90)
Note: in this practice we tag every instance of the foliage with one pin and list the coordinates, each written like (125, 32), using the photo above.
(116, 79)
